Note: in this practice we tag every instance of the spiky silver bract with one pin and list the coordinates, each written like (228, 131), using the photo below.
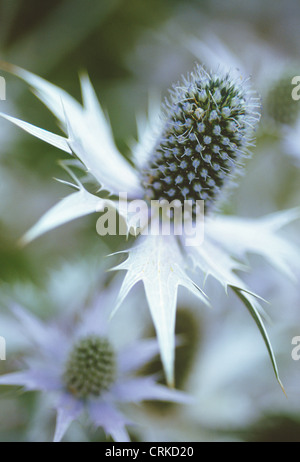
(209, 123)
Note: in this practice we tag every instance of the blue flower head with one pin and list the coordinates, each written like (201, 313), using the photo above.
(79, 365)
(209, 124)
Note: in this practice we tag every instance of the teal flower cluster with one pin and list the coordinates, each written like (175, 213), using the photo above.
(90, 369)
(208, 126)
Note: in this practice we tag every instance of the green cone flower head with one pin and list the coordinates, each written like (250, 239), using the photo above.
(90, 369)
(209, 124)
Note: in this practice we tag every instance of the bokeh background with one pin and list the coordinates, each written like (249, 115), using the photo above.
(131, 48)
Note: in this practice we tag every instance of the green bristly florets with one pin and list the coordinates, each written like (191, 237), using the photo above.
(90, 369)
(209, 124)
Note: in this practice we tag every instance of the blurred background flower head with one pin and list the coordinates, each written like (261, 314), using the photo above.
(75, 360)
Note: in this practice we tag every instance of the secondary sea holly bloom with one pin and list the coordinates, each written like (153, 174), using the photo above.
(275, 74)
(191, 151)
(80, 366)
(267, 67)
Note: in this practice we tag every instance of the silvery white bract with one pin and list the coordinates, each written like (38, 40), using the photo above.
(162, 263)
(64, 362)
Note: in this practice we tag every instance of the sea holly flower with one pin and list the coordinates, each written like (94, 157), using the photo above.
(192, 151)
(80, 367)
